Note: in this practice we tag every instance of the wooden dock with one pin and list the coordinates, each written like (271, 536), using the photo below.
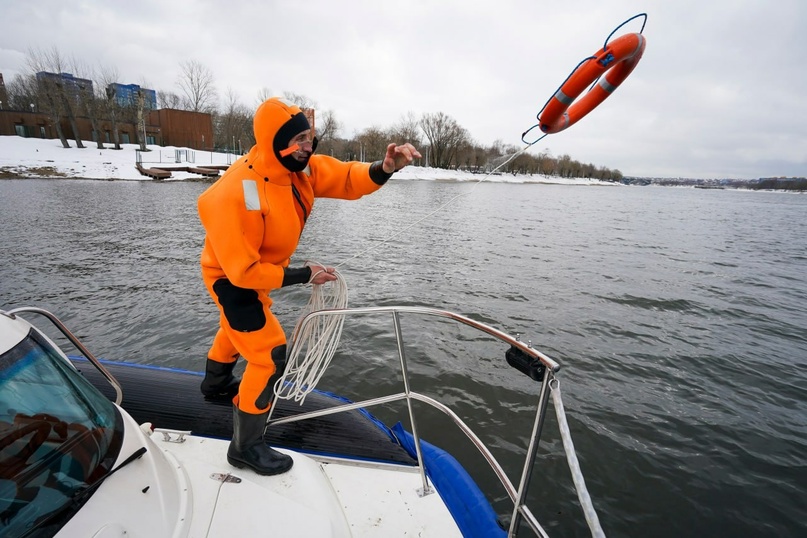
(154, 173)
(164, 172)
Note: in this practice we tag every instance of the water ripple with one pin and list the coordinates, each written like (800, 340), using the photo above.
(678, 318)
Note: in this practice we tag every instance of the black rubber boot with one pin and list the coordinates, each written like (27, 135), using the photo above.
(248, 449)
(219, 382)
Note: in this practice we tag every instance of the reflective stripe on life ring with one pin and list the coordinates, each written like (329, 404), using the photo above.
(611, 64)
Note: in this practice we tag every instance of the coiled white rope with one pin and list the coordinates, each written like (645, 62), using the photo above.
(574, 466)
(320, 338)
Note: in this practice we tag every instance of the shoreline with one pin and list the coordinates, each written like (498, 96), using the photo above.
(6, 174)
(46, 159)
(56, 176)
(36, 158)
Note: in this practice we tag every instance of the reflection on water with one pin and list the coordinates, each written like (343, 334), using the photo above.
(677, 315)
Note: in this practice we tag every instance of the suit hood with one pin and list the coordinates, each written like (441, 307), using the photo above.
(276, 122)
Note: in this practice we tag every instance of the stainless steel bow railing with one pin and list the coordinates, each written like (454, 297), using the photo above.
(520, 355)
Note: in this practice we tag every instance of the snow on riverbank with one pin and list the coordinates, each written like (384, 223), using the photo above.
(41, 158)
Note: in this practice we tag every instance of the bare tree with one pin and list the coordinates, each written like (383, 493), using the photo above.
(372, 144)
(233, 124)
(140, 104)
(328, 126)
(564, 166)
(407, 130)
(71, 115)
(27, 91)
(445, 137)
(52, 89)
(472, 157)
(523, 164)
(198, 87)
(93, 109)
(69, 94)
(300, 100)
(22, 92)
(327, 131)
(90, 99)
(107, 77)
(546, 164)
(168, 100)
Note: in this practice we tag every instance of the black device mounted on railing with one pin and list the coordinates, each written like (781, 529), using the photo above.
(530, 366)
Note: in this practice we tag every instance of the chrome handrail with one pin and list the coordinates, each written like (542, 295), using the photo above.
(517, 495)
(75, 341)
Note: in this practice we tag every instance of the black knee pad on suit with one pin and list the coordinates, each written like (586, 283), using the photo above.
(267, 395)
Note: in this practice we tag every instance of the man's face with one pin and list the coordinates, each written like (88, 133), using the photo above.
(304, 146)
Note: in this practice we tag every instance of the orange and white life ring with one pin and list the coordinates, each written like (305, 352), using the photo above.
(612, 64)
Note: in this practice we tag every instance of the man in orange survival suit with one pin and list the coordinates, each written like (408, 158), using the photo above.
(253, 217)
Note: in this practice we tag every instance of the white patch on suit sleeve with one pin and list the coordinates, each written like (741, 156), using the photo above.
(251, 195)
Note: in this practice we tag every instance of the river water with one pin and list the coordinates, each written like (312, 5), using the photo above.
(678, 316)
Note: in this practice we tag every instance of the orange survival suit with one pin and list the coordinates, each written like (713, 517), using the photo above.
(253, 217)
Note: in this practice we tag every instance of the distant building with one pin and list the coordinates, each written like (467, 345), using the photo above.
(127, 94)
(182, 128)
(74, 86)
(159, 127)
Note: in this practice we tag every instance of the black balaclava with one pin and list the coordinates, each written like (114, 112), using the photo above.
(296, 125)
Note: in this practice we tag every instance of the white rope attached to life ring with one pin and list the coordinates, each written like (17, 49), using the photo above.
(574, 466)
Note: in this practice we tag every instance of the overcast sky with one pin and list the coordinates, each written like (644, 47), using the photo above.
(720, 92)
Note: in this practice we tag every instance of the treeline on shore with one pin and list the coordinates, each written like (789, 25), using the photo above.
(798, 184)
(443, 142)
(774, 183)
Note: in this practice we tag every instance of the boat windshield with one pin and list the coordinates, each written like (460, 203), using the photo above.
(58, 434)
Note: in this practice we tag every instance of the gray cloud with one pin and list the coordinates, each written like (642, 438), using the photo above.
(719, 92)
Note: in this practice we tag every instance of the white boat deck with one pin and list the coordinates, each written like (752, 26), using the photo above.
(162, 487)
(189, 489)
(327, 497)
